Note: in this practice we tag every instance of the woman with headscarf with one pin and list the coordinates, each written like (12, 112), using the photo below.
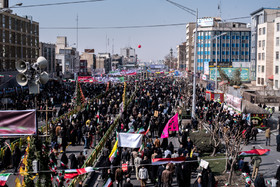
(64, 161)
(73, 160)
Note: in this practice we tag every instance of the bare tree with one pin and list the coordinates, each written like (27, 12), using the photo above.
(232, 140)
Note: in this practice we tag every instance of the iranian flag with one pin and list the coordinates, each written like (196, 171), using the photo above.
(1, 75)
(108, 183)
(255, 152)
(3, 178)
(131, 130)
(141, 150)
(160, 161)
(72, 173)
(141, 131)
(147, 130)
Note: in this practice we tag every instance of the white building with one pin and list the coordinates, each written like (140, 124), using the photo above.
(67, 57)
(276, 60)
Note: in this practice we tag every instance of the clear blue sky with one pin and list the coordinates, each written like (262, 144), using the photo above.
(156, 42)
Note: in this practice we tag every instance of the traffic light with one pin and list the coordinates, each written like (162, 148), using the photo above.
(32, 75)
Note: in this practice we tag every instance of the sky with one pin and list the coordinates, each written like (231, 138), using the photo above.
(155, 42)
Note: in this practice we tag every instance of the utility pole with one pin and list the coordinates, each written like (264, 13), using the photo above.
(171, 55)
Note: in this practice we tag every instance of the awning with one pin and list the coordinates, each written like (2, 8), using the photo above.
(271, 77)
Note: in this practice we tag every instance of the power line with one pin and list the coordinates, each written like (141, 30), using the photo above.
(117, 27)
(55, 4)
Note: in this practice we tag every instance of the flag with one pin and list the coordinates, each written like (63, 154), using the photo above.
(131, 130)
(141, 150)
(10, 75)
(254, 152)
(147, 130)
(63, 165)
(160, 161)
(1, 75)
(172, 125)
(129, 140)
(3, 178)
(114, 152)
(141, 131)
(108, 183)
(71, 173)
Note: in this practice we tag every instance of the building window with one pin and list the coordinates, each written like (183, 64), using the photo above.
(276, 83)
(277, 55)
(277, 41)
(262, 56)
(260, 43)
(259, 80)
(276, 69)
(259, 68)
(263, 43)
(260, 31)
(278, 27)
(259, 56)
(262, 81)
(262, 69)
(264, 30)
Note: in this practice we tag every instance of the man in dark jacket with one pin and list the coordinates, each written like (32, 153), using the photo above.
(128, 184)
(259, 182)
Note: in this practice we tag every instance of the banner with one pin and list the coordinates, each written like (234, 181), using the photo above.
(160, 161)
(72, 173)
(129, 140)
(86, 79)
(204, 164)
(17, 122)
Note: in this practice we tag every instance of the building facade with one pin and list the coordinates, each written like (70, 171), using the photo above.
(264, 51)
(260, 16)
(47, 50)
(83, 68)
(231, 47)
(90, 57)
(103, 63)
(189, 46)
(129, 56)
(276, 53)
(67, 58)
(181, 57)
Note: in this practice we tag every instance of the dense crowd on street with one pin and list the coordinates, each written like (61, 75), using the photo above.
(157, 99)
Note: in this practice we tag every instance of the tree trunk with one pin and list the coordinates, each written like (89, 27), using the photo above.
(230, 173)
(214, 151)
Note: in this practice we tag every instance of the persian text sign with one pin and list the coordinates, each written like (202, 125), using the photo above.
(17, 122)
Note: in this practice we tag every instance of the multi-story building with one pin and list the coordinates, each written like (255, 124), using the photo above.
(264, 51)
(67, 57)
(83, 67)
(181, 57)
(129, 55)
(231, 47)
(276, 53)
(259, 16)
(103, 63)
(189, 46)
(19, 40)
(90, 57)
(47, 50)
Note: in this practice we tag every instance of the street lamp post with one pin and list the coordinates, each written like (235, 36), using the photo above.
(216, 73)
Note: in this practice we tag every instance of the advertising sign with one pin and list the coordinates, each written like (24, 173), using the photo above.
(206, 67)
(205, 22)
(86, 79)
(17, 122)
(229, 71)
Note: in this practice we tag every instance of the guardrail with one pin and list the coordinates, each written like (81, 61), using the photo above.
(92, 159)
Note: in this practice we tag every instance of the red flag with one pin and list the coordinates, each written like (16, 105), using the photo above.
(255, 152)
(159, 161)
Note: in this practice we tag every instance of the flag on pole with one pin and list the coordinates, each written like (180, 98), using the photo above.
(108, 183)
(72, 173)
(114, 152)
(160, 161)
(147, 130)
(3, 178)
(255, 152)
(141, 150)
(141, 131)
(172, 125)
(1, 76)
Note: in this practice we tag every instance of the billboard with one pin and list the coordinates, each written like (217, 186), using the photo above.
(205, 22)
(17, 122)
(229, 71)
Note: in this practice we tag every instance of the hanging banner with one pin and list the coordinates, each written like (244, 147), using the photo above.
(86, 79)
(129, 140)
(17, 122)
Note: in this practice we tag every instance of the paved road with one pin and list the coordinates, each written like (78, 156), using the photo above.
(271, 162)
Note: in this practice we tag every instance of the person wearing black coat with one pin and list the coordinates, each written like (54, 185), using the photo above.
(16, 158)
(259, 182)
(179, 175)
(159, 173)
(7, 158)
(74, 162)
(64, 160)
(105, 166)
